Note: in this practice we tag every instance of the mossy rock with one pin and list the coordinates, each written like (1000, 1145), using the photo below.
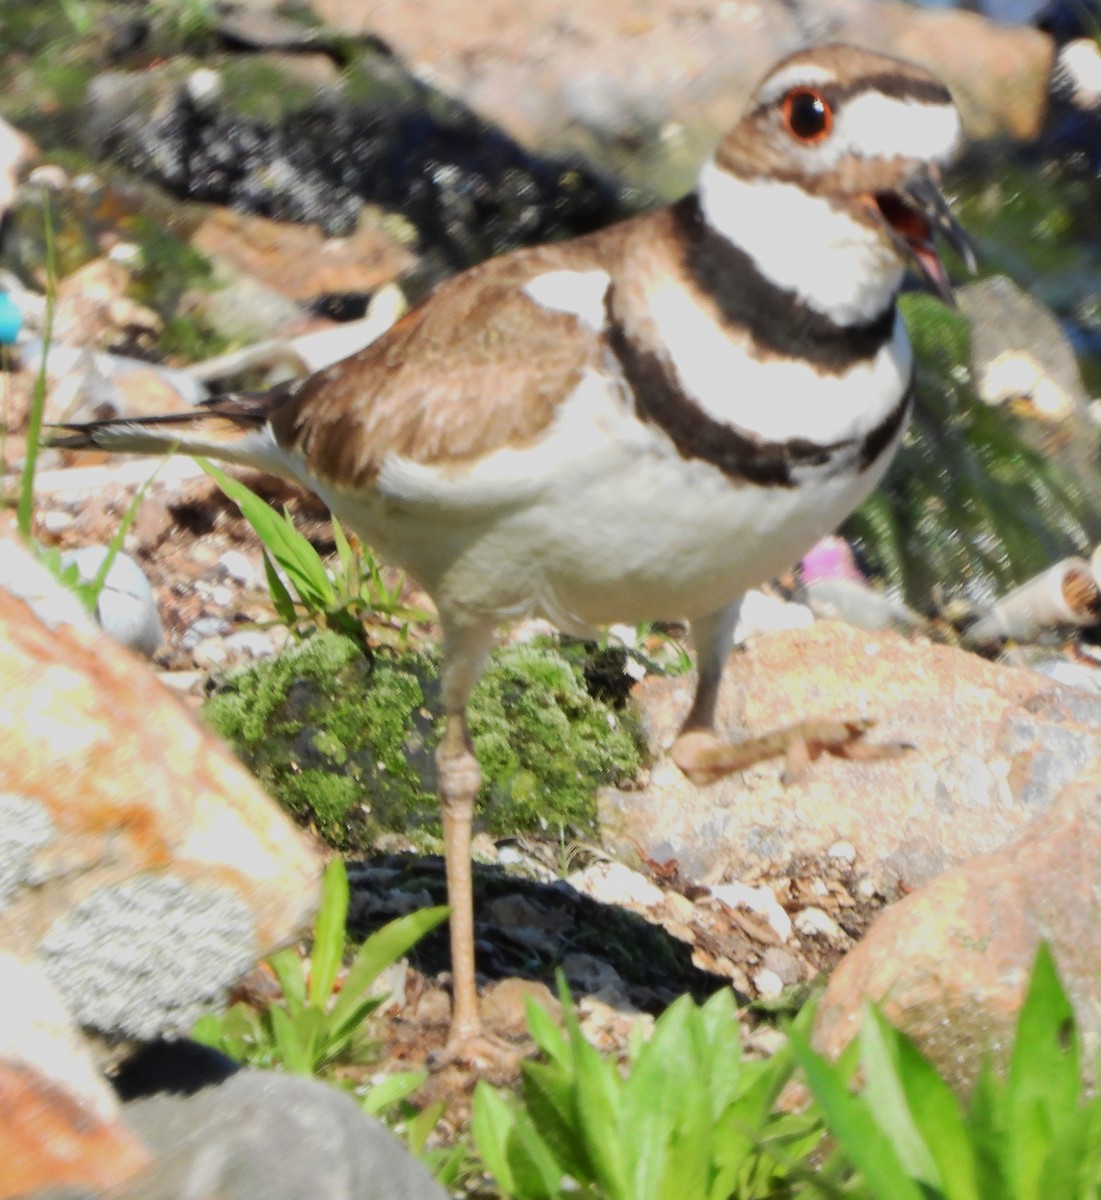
(974, 502)
(346, 742)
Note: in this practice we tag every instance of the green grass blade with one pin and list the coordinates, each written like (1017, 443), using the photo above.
(328, 938)
(24, 513)
(392, 1090)
(936, 1113)
(380, 950)
(293, 1039)
(1044, 1084)
(292, 979)
(851, 1122)
(299, 560)
(886, 1097)
(281, 599)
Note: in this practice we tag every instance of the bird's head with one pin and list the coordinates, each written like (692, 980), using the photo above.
(837, 160)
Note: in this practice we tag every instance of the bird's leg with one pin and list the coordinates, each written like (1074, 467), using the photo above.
(465, 646)
(704, 757)
(460, 777)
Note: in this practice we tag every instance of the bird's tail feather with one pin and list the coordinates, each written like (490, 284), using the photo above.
(231, 428)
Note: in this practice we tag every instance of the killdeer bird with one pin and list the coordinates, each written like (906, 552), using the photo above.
(636, 424)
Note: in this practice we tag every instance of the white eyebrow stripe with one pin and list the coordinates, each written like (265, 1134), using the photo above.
(877, 126)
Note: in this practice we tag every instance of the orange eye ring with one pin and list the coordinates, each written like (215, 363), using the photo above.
(808, 116)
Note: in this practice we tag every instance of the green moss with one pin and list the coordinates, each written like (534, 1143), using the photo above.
(345, 742)
(972, 502)
(544, 743)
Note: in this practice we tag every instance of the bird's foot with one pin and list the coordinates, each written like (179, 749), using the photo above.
(705, 758)
(474, 1049)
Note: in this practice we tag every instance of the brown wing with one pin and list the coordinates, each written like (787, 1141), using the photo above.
(479, 366)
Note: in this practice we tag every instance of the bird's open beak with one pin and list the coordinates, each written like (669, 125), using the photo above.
(914, 213)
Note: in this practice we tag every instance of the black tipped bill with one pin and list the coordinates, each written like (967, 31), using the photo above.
(914, 214)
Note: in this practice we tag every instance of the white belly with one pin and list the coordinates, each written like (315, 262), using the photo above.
(604, 521)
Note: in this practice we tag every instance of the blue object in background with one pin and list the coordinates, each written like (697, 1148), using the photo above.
(11, 319)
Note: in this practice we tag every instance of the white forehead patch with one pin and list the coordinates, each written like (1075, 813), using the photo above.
(579, 293)
(877, 126)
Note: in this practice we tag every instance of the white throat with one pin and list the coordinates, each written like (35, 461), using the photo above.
(835, 264)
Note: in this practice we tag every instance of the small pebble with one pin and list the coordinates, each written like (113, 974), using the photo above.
(866, 888)
(253, 643)
(210, 652)
(756, 899)
(55, 522)
(767, 983)
(614, 883)
(240, 567)
(843, 852)
(783, 964)
(762, 613)
(816, 922)
(202, 628)
(679, 907)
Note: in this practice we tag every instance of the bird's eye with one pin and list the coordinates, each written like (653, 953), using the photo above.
(807, 115)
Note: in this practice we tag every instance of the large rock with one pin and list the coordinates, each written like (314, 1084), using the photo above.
(140, 864)
(993, 746)
(61, 1124)
(280, 1137)
(548, 70)
(951, 962)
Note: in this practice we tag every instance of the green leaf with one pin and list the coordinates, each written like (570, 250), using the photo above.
(885, 1096)
(1044, 1084)
(550, 1098)
(294, 1039)
(849, 1120)
(492, 1122)
(339, 1031)
(281, 599)
(936, 1114)
(349, 564)
(395, 1088)
(299, 560)
(420, 1126)
(328, 938)
(380, 950)
(545, 1033)
(598, 1093)
(292, 979)
(665, 1109)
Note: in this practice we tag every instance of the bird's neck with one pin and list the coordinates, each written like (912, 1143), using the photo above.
(804, 244)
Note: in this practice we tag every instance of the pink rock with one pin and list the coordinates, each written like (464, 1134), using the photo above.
(950, 963)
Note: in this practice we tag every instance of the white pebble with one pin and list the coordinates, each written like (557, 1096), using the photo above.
(812, 921)
(614, 883)
(762, 613)
(768, 983)
(757, 899)
(239, 566)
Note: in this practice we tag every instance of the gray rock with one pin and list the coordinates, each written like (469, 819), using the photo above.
(126, 608)
(1019, 350)
(279, 1137)
(23, 576)
(852, 601)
